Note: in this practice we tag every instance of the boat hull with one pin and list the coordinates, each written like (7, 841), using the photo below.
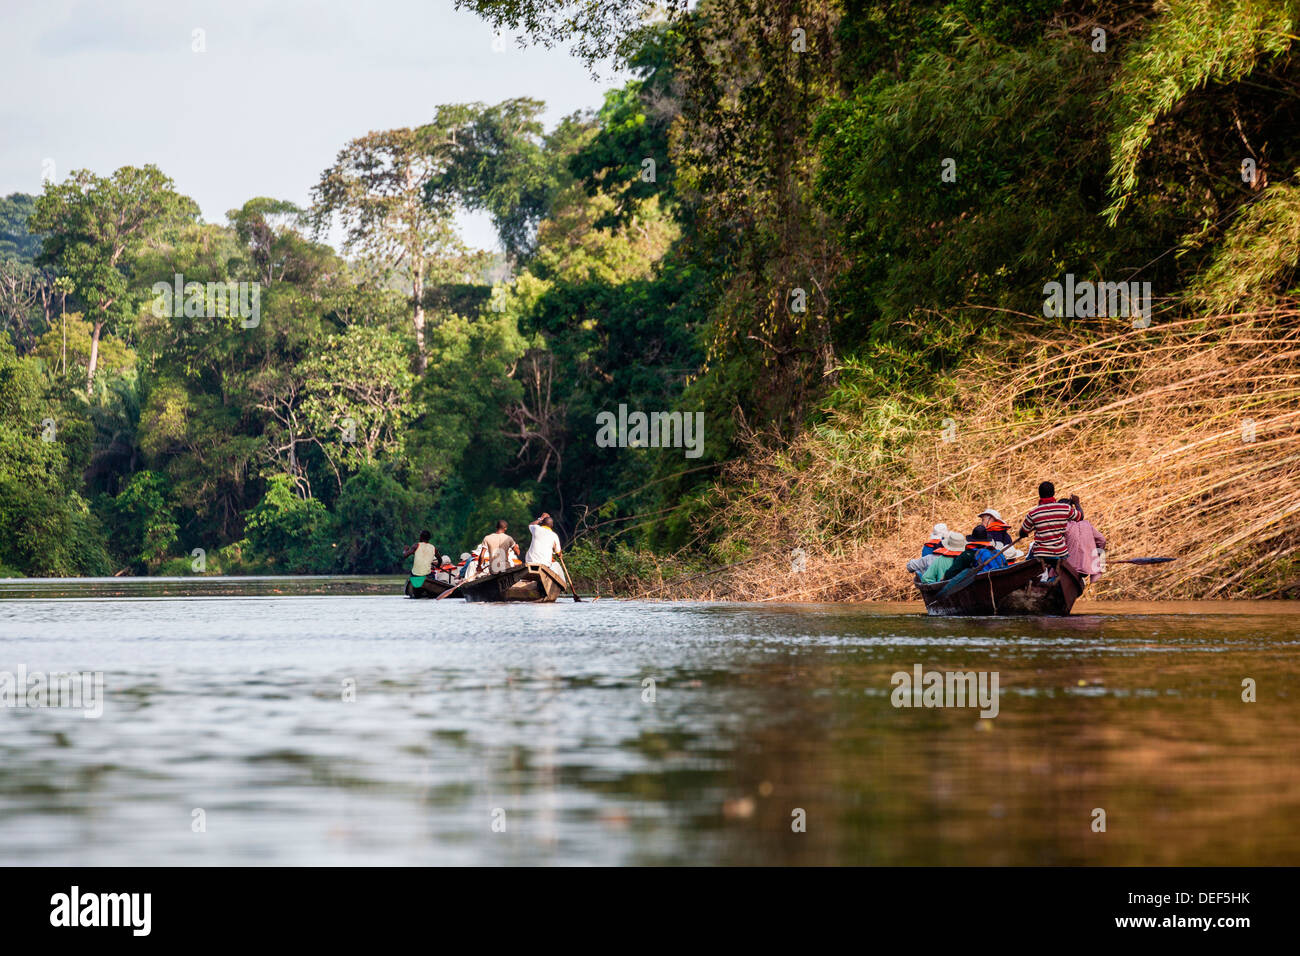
(431, 588)
(1015, 591)
(529, 583)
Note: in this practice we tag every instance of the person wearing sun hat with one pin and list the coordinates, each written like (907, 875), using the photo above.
(981, 555)
(953, 545)
(995, 529)
(919, 565)
(936, 539)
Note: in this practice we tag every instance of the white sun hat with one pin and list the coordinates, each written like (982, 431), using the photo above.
(991, 513)
(954, 541)
(1013, 554)
(939, 530)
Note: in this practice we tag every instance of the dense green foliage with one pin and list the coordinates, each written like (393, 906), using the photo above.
(16, 240)
(323, 433)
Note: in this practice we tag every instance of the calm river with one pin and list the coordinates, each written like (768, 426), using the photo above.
(331, 721)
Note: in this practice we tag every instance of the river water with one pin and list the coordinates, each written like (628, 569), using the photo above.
(331, 721)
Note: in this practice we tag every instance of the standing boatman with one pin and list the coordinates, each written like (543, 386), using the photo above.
(544, 548)
(1047, 522)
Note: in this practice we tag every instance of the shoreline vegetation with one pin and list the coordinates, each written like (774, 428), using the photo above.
(1183, 442)
(893, 263)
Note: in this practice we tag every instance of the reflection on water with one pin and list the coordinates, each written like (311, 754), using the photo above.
(537, 718)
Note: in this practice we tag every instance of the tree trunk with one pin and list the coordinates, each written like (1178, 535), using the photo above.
(421, 360)
(63, 319)
(94, 358)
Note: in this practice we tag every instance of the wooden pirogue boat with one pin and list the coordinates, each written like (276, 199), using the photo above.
(432, 585)
(525, 582)
(1012, 590)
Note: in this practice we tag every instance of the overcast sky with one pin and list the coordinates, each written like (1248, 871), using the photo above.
(281, 86)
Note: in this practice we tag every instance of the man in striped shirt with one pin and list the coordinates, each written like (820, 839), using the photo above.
(1047, 521)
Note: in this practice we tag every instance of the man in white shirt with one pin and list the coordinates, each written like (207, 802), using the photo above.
(545, 545)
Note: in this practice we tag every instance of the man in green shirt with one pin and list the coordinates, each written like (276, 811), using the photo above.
(954, 543)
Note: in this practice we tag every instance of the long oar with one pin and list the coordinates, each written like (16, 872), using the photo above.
(964, 579)
(451, 590)
(478, 567)
(568, 578)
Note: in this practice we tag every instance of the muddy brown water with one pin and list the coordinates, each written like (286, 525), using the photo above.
(623, 732)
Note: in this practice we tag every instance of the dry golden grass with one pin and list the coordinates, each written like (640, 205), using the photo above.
(1182, 439)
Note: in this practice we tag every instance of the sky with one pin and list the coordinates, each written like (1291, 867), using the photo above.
(280, 86)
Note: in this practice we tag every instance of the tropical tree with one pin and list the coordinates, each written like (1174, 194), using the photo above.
(25, 298)
(45, 525)
(289, 532)
(68, 346)
(499, 159)
(96, 226)
(372, 514)
(145, 527)
(355, 403)
(16, 242)
(595, 30)
(376, 189)
(269, 230)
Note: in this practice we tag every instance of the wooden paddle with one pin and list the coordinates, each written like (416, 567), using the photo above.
(568, 577)
(963, 580)
(453, 589)
(448, 592)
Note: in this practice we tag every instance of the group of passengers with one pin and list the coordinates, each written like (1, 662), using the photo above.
(497, 552)
(1061, 533)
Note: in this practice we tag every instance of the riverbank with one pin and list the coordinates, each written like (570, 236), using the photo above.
(1181, 439)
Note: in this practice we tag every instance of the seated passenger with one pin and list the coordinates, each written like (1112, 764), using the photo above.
(470, 563)
(953, 546)
(919, 565)
(936, 539)
(980, 555)
(446, 571)
(998, 530)
(989, 559)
